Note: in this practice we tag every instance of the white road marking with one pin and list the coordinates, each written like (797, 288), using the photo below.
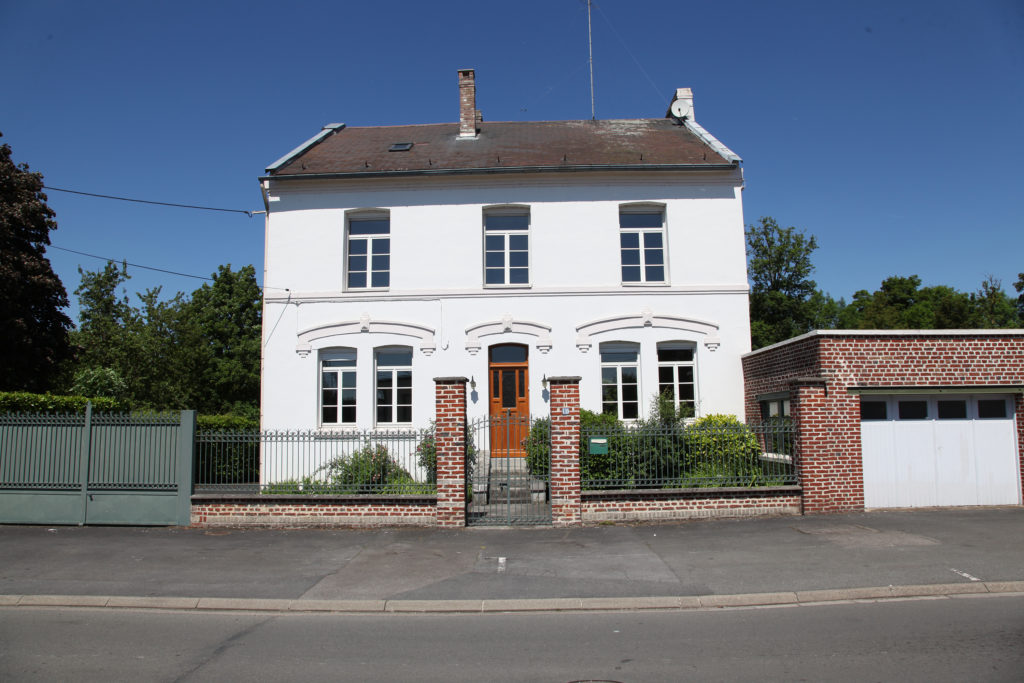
(501, 564)
(964, 574)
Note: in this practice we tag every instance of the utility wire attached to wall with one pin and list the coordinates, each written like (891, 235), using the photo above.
(147, 201)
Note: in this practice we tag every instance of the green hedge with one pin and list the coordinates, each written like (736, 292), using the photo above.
(226, 423)
(25, 402)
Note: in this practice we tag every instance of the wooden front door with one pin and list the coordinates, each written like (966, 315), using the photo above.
(509, 394)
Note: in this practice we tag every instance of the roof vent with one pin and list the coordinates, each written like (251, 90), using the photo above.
(400, 147)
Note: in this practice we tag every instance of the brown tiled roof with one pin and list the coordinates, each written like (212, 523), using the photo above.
(506, 146)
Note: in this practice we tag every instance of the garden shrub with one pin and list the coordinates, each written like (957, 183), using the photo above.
(721, 451)
(538, 447)
(231, 461)
(227, 423)
(426, 453)
(370, 469)
(26, 402)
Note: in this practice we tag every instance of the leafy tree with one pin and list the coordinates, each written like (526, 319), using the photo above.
(229, 316)
(993, 308)
(901, 303)
(201, 352)
(1019, 286)
(34, 332)
(104, 319)
(782, 292)
(94, 382)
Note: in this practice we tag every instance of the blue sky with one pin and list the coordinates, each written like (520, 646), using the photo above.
(892, 131)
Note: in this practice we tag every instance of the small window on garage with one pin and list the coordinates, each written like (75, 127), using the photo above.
(952, 409)
(873, 410)
(991, 408)
(913, 410)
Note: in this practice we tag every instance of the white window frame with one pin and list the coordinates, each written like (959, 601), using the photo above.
(641, 248)
(394, 372)
(506, 250)
(675, 366)
(372, 242)
(617, 366)
(343, 374)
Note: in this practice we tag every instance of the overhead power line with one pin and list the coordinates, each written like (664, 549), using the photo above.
(133, 265)
(147, 201)
(137, 265)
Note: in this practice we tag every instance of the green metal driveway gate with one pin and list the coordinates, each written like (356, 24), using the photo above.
(96, 469)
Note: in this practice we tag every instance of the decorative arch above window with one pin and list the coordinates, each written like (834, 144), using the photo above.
(365, 325)
(647, 318)
(506, 325)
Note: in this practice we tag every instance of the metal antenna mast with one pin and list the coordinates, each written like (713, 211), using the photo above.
(590, 47)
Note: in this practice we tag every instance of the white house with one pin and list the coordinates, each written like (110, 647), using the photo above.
(507, 253)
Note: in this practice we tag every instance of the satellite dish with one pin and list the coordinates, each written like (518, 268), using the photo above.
(680, 109)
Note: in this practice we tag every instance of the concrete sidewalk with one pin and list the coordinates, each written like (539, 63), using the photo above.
(708, 563)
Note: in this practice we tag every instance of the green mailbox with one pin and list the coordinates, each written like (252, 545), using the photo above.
(598, 445)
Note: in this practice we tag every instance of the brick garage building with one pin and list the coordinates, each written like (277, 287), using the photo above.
(898, 418)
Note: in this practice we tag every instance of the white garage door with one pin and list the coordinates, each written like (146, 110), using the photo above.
(939, 450)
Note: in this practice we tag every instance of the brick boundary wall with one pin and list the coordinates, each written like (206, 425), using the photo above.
(819, 368)
(631, 506)
(212, 510)
(565, 451)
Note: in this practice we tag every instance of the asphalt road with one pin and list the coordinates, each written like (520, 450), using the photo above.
(944, 639)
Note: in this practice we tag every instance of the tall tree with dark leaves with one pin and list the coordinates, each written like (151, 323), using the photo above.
(229, 316)
(34, 328)
(783, 301)
(993, 308)
(1019, 286)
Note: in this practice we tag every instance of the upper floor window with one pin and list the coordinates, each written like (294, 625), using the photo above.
(507, 246)
(338, 387)
(620, 380)
(642, 240)
(676, 375)
(394, 385)
(369, 251)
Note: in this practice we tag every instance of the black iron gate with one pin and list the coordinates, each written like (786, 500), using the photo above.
(508, 464)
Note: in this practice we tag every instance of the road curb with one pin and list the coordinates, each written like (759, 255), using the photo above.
(493, 606)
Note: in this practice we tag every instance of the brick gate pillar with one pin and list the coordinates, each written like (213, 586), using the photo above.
(450, 445)
(828, 446)
(565, 450)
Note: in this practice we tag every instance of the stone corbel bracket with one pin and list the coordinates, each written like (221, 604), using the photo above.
(507, 324)
(365, 325)
(647, 318)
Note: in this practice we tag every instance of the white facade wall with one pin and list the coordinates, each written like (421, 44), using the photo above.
(437, 304)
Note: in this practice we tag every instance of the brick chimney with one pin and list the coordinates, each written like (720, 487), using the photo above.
(468, 114)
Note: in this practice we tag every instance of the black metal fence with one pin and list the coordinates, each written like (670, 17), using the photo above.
(714, 452)
(316, 463)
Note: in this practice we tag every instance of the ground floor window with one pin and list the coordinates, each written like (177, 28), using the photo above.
(620, 380)
(394, 386)
(676, 376)
(338, 387)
